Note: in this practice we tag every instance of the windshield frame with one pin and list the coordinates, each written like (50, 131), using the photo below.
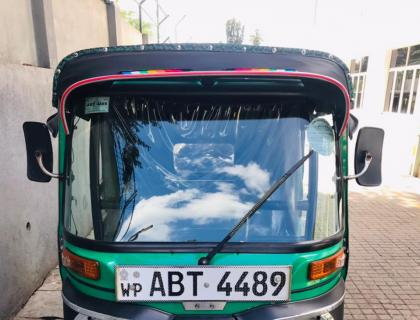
(173, 74)
(195, 247)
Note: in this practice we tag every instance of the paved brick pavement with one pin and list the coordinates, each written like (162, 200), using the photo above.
(384, 278)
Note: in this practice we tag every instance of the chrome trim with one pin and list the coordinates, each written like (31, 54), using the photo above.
(89, 313)
(204, 305)
(302, 316)
(315, 312)
(38, 156)
(368, 160)
(326, 316)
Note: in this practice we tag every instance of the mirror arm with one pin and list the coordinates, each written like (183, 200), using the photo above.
(368, 160)
(38, 156)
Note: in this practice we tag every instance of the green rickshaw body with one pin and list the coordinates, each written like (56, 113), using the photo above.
(108, 98)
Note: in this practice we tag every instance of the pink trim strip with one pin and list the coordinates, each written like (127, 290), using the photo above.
(171, 74)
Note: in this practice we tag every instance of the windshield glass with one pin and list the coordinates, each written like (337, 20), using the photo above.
(174, 171)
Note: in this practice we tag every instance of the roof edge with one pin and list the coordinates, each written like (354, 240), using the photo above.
(204, 47)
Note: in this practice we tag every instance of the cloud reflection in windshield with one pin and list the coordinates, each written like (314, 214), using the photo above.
(255, 178)
(224, 204)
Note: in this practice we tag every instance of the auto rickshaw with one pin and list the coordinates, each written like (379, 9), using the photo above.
(202, 181)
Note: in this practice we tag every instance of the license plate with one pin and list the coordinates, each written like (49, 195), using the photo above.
(204, 283)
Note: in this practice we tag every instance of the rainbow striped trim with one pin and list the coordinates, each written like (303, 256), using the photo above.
(163, 71)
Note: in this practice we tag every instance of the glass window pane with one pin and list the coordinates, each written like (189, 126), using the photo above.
(407, 89)
(355, 81)
(389, 90)
(399, 57)
(397, 91)
(364, 64)
(361, 81)
(360, 91)
(414, 57)
(326, 221)
(359, 99)
(355, 66)
(352, 66)
(416, 84)
(78, 200)
(170, 162)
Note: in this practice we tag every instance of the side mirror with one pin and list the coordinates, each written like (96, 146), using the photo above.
(368, 157)
(39, 152)
(53, 124)
(353, 124)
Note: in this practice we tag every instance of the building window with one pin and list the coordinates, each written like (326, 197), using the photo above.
(358, 69)
(403, 80)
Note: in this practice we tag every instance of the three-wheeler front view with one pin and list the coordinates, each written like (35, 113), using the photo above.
(202, 181)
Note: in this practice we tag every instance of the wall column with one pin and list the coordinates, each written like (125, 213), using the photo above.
(45, 40)
(111, 13)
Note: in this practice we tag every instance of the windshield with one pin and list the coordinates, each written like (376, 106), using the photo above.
(153, 170)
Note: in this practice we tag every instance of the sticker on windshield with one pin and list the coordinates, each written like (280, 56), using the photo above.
(321, 136)
(96, 105)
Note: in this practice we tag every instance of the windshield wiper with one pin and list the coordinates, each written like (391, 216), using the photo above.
(206, 260)
(134, 236)
(126, 204)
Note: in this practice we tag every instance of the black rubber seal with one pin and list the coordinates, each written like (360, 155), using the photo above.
(204, 247)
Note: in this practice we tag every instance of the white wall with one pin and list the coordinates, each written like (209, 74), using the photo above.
(26, 254)
(401, 130)
(17, 43)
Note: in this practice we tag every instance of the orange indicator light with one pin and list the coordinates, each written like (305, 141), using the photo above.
(322, 268)
(84, 267)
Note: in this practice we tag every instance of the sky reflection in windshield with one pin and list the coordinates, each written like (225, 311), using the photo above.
(198, 177)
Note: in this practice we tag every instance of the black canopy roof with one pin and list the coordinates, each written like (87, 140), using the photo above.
(195, 57)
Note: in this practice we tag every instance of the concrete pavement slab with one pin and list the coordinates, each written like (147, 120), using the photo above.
(43, 304)
(46, 301)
